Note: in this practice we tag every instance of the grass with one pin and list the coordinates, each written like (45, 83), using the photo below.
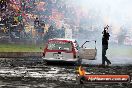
(20, 48)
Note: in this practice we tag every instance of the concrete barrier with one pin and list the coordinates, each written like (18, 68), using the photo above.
(20, 54)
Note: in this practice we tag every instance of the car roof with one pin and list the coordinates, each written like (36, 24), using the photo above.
(65, 39)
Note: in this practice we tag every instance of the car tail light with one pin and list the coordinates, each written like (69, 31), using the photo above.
(73, 51)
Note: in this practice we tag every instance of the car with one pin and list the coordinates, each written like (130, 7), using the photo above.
(61, 50)
(64, 50)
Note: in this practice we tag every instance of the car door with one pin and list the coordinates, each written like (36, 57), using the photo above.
(87, 52)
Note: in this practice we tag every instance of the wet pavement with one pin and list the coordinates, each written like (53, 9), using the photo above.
(33, 73)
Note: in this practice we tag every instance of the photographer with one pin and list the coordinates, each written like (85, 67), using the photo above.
(105, 39)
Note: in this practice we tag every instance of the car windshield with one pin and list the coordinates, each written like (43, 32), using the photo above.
(60, 45)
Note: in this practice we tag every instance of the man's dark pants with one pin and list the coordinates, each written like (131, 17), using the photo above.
(104, 58)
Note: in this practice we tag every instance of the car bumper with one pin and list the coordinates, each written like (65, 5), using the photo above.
(61, 60)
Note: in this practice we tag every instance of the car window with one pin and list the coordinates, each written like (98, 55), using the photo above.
(60, 45)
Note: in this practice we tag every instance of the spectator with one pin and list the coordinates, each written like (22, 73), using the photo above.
(36, 23)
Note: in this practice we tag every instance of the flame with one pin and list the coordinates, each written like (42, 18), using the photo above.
(81, 71)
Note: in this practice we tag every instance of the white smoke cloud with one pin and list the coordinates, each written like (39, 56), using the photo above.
(116, 13)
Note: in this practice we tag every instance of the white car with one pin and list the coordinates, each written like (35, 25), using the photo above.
(66, 50)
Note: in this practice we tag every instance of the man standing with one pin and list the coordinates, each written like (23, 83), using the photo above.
(105, 39)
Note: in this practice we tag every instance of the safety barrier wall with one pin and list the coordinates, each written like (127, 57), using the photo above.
(20, 54)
